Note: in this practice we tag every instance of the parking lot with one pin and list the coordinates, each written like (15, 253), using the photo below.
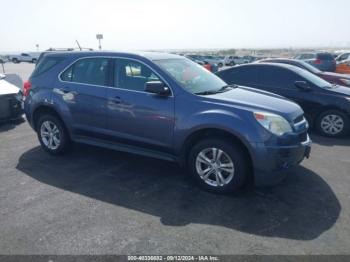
(97, 201)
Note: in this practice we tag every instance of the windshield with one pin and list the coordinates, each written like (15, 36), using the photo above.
(191, 76)
(318, 81)
(309, 67)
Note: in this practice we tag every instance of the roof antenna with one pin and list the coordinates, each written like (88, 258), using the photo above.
(78, 45)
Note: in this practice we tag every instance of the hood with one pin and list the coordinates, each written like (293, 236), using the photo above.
(256, 100)
(337, 75)
(6, 88)
(340, 90)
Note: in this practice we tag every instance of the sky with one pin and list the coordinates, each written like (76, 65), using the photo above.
(174, 24)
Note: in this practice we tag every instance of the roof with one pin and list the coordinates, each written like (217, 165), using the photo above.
(148, 55)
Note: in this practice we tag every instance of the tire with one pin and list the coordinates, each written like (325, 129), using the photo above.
(230, 154)
(232, 64)
(15, 61)
(220, 65)
(333, 123)
(59, 143)
(34, 61)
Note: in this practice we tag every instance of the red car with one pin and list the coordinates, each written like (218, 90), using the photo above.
(333, 78)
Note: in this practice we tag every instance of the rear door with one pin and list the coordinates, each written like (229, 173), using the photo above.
(135, 116)
(81, 90)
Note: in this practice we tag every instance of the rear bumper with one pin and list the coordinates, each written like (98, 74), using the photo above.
(272, 163)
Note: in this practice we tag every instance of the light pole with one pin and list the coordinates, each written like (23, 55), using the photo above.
(99, 37)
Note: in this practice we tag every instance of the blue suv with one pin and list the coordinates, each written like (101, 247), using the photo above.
(168, 107)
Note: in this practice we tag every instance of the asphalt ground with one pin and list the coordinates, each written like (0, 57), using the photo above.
(97, 201)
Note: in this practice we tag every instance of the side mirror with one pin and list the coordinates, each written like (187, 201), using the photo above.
(157, 87)
(302, 85)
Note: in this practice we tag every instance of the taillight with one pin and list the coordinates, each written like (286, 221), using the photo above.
(317, 61)
(26, 88)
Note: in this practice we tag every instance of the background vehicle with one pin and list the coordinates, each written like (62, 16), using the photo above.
(343, 67)
(343, 57)
(3, 59)
(213, 60)
(334, 78)
(10, 100)
(24, 57)
(168, 107)
(327, 107)
(236, 60)
(323, 61)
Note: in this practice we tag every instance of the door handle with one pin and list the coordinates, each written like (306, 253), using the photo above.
(64, 90)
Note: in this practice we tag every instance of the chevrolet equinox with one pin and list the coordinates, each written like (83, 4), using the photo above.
(167, 107)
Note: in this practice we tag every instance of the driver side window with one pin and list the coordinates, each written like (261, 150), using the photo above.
(132, 75)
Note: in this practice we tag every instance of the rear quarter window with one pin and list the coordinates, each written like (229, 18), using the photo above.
(45, 64)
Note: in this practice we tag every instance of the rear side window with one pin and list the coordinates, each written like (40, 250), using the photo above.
(242, 75)
(325, 56)
(93, 71)
(45, 64)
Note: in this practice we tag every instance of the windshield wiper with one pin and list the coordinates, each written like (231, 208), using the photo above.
(220, 90)
(225, 87)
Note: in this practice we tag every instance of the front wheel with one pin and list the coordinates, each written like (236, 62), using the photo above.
(333, 123)
(218, 165)
(52, 135)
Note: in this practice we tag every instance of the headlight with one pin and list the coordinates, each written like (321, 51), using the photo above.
(345, 81)
(274, 123)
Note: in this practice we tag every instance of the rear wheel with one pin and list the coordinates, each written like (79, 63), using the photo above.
(218, 165)
(15, 61)
(333, 123)
(52, 134)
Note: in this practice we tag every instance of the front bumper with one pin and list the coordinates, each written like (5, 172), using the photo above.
(271, 163)
(10, 107)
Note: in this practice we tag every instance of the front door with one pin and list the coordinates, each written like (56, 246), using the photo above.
(135, 116)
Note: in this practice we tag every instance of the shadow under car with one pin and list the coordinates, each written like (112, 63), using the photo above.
(301, 207)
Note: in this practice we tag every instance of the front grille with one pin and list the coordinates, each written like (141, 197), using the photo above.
(299, 119)
(5, 110)
(10, 107)
(303, 137)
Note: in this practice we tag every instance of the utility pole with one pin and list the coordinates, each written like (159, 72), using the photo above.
(99, 37)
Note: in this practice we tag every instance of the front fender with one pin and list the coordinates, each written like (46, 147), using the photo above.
(239, 125)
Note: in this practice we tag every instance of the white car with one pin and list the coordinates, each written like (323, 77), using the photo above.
(10, 100)
(24, 57)
(343, 57)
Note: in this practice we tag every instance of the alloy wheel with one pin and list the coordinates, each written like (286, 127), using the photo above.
(50, 135)
(214, 167)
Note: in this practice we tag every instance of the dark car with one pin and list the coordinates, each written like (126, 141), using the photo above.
(326, 106)
(323, 61)
(10, 101)
(168, 107)
(334, 78)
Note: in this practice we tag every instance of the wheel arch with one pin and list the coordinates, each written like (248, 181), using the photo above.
(45, 109)
(325, 109)
(204, 133)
